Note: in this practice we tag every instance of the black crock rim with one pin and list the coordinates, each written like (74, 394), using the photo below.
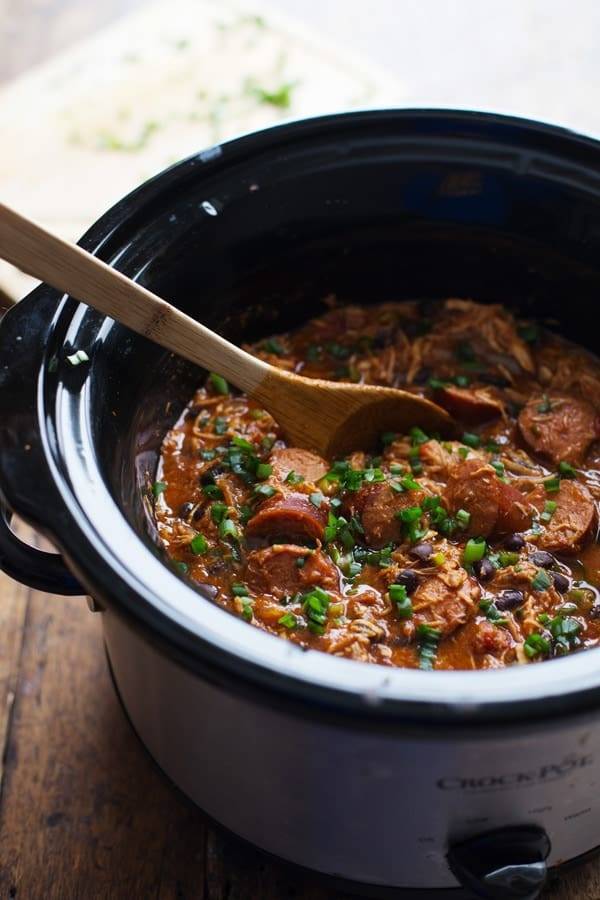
(559, 686)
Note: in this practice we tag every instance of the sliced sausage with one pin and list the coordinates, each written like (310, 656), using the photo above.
(572, 521)
(495, 507)
(275, 570)
(470, 406)
(446, 599)
(559, 427)
(309, 465)
(288, 516)
(377, 506)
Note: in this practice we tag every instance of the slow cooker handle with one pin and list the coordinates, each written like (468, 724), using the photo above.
(35, 568)
(506, 864)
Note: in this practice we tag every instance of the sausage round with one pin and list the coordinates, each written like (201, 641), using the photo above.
(572, 521)
(494, 505)
(291, 516)
(469, 405)
(559, 427)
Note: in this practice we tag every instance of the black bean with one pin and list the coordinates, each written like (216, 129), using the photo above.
(594, 612)
(493, 379)
(483, 568)
(561, 582)
(509, 600)
(185, 509)
(514, 542)
(409, 579)
(422, 551)
(543, 559)
(211, 474)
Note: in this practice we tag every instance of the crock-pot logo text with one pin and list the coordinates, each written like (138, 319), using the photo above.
(540, 775)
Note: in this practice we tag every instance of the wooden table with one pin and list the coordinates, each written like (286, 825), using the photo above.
(84, 813)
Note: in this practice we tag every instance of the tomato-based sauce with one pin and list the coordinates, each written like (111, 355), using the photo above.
(478, 552)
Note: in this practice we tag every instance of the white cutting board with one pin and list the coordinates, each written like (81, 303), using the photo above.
(162, 83)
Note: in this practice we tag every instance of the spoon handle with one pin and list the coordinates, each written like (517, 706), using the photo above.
(72, 270)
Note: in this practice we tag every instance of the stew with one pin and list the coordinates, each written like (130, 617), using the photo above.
(478, 552)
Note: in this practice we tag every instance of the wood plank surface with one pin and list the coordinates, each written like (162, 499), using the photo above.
(84, 813)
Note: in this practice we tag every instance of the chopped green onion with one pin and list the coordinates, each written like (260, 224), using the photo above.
(217, 512)
(428, 639)
(410, 515)
(492, 612)
(238, 589)
(549, 510)
(498, 466)
(263, 470)
(552, 485)
(388, 437)
(158, 488)
(400, 598)
(198, 544)
(418, 436)
(396, 469)
(221, 425)
(289, 620)
(273, 346)
(438, 559)
(207, 455)
(463, 452)
(293, 478)
(264, 490)
(242, 443)
(463, 518)
(566, 469)
(436, 384)
(219, 383)
(181, 566)
(542, 581)
(508, 558)
(213, 491)
(545, 406)
(461, 380)
(474, 550)
(316, 498)
(536, 645)
(409, 484)
(247, 611)
(228, 529)
(471, 440)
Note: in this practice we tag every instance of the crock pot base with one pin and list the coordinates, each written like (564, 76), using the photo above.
(319, 878)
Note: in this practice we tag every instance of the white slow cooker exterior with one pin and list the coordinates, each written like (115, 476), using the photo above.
(359, 804)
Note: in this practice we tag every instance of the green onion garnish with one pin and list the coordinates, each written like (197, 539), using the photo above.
(316, 498)
(388, 437)
(471, 440)
(273, 346)
(158, 488)
(218, 512)
(428, 639)
(418, 436)
(463, 518)
(288, 620)
(536, 645)
(293, 478)
(566, 470)
(213, 491)
(198, 544)
(542, 581)
(549, 510)
(263, 470)
(545, 406)
(238, 589)
(264, 490)
(474, 550)
(219, 383)
(228, 529)
(401, 600)
(221, 425)
(552, 485)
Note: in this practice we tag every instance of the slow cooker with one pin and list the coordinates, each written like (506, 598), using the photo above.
(442, 783)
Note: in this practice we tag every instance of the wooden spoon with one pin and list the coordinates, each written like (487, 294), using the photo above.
(330, 417)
